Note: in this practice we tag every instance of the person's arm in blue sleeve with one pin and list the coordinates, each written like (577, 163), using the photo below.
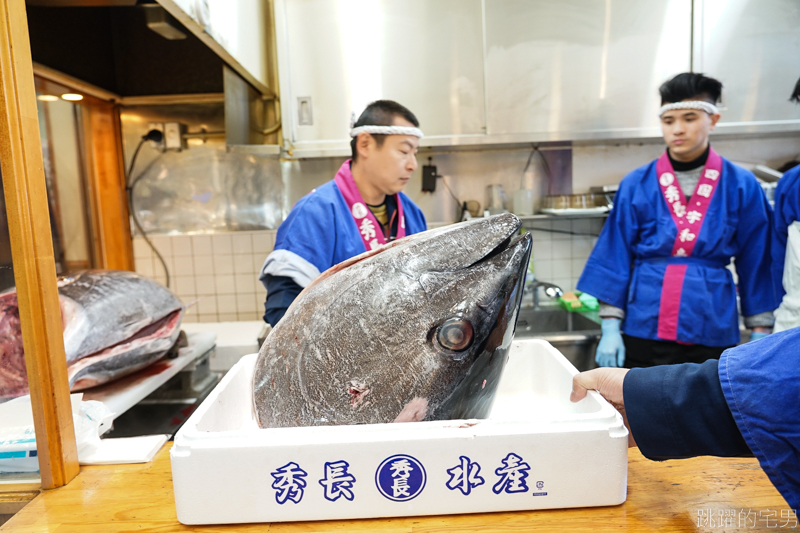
(303, 249)
(281, 292)
(607, 275)
(679, 411)
(787, 211)
(309, 232)
(753, 261)
(780, 234)
(672, 411)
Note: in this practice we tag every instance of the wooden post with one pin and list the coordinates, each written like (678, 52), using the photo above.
(110, 196)
(32, 251)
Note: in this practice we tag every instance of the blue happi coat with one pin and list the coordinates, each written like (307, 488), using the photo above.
(787, 211)
(761, 383)
(320, 232)
(744, 404)
(626, 268)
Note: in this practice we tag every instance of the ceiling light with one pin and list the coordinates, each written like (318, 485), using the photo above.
(47, 98)
(72, 97)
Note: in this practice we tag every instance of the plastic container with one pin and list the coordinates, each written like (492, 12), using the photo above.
(537, 450)
(523, 202)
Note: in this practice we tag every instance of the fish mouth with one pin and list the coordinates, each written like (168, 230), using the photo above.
(513, 254)
(499, 249)
(513, 239)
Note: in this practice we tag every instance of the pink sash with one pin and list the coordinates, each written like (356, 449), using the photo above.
(688, 220)
(368, 226)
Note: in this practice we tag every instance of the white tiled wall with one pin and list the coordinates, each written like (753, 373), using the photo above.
(216, 276)
(561, 248)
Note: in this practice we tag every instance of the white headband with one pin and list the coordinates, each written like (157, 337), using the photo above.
(711, 109)
(387, 130)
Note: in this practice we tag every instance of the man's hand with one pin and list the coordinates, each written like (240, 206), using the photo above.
(608, 382)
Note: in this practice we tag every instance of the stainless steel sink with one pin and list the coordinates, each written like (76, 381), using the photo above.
(573, 334)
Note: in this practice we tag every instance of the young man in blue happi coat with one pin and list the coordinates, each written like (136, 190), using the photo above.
(659, 267)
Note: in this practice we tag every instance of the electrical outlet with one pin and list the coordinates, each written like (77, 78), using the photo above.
(160, 127)
(173, 136)
(305, 115)
(429, 178)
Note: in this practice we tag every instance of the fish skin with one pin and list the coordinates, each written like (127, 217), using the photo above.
(115, 323)
(117, 303)
(359, 345)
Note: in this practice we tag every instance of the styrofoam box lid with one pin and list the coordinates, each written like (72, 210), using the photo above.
(226, 469)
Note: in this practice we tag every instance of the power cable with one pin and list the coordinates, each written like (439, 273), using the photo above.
(535, 150)
(444, 182)
(156, 136)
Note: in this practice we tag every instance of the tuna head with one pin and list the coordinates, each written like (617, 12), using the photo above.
(415, 330)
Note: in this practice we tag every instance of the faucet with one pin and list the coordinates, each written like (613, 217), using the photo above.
(551, 290)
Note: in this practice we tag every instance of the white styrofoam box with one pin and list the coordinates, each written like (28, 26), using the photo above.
(536, 450)
(234, 340)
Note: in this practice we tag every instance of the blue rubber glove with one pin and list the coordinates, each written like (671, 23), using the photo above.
(611, 350)
(757, 335)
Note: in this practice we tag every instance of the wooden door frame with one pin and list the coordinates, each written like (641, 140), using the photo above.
(102, 136)
(25, 194)
(32, 252)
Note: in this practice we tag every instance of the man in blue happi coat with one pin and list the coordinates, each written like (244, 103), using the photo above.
(786, 244)
(744, 404)
(659, 267)
(360, 209)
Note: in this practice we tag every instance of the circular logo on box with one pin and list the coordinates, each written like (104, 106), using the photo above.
(400, 478)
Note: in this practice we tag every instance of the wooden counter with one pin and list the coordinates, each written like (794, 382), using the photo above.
(661, 497)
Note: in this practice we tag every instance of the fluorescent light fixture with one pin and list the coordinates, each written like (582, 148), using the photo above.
(47, 98)
(72, 97)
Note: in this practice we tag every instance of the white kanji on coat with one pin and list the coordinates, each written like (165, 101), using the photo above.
(666, 179)
(693, 216)
(679, 209)
(704, 190)
(367, 229)
(712, 174)
(672, 193)
(681, 252)
(687, 235)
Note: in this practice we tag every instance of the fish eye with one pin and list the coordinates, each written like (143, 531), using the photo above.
(455, 334)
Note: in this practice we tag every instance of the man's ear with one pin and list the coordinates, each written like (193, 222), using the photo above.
(714, 119)
(364, 144)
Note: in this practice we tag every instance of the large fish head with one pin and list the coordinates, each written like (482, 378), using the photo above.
(414, 330)
(470, 279)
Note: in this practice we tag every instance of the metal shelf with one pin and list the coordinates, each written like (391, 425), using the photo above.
(547, 216)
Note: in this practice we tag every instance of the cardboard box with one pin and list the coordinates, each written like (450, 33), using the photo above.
(537, 450)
